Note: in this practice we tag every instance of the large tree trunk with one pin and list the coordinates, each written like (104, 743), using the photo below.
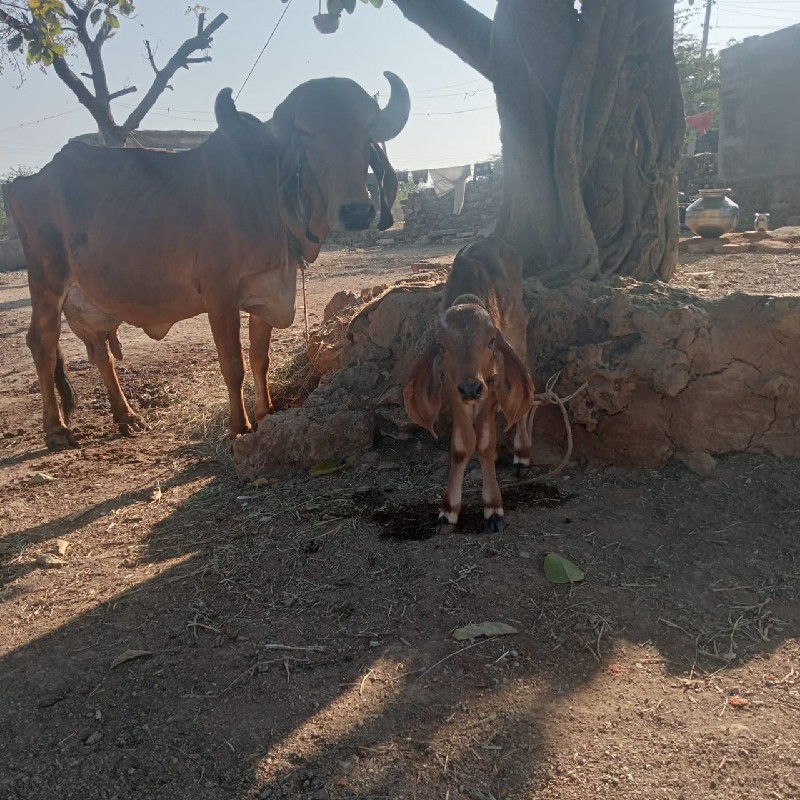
(592, 127)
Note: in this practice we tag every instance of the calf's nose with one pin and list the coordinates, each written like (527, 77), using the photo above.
(470, 390)
(356, 216)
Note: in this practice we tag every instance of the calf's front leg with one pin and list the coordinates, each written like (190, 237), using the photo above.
(486, 435)
(462, 446)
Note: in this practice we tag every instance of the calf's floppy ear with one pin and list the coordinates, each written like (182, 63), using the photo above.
(513, 384)
(423, 392)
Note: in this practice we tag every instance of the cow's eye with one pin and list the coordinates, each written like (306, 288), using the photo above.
(491, 344)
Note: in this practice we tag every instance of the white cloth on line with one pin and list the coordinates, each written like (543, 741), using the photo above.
(451, 179)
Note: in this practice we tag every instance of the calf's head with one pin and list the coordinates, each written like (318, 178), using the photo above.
(470, 361)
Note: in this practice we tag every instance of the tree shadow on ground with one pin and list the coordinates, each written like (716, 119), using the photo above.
(288, 650)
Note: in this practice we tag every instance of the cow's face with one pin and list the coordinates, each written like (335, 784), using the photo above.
(331, 126)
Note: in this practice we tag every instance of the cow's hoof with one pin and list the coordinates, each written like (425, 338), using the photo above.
(443, 525)
(60, 439)
(495, 524)
(522, 466)
(131, 425)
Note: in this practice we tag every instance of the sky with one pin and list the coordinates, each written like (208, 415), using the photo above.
(453, 120)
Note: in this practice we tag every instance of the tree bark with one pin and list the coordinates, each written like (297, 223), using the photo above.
(591, 123)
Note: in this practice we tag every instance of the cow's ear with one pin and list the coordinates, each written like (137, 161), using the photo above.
(422, 395)
(513, 385)
(387, 180)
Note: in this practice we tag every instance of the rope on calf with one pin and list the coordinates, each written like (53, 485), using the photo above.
(550, 397)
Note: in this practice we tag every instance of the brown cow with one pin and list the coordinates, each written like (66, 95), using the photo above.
(478, 357)
(151, 238)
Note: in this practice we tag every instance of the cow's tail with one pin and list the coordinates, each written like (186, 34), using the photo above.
(65, 388)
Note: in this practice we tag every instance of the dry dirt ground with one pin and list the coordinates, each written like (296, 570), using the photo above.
(207, 639)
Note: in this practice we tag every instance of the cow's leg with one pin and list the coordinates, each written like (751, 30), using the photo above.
(226, 329)
(260, 335)
(98, 332)
(523, 443)
(102, 357)
(42, 339)
(462, 446)
(486, 434)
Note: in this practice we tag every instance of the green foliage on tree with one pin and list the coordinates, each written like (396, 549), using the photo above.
(699, 73)
(45, 31)
(7, 177)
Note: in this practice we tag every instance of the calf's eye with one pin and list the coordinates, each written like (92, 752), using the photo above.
(491, 344)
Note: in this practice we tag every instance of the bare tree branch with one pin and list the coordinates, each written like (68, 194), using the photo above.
(151, 56)
(180, 59)
(456, 25)
(122, 92)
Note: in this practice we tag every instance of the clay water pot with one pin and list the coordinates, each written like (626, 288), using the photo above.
(712, 214)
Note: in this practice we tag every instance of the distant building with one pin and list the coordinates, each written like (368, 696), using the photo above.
(759, 131)
(172, 141)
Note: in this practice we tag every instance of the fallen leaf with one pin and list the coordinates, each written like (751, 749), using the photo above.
(258, 483)
(129, 655)
(38, 478)
(49, 561)
(738, 702)
(156, 495)
(328, 467)
(558, 569)
(476, 629)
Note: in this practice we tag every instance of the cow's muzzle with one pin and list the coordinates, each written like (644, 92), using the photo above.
(356, 216)
(470, 391)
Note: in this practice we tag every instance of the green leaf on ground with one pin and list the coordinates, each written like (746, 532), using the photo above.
(327, 467)
(558, 569)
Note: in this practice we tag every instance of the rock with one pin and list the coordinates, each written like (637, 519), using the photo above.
(703, 464)
(385, 240)
(93, 738)
(38, 478)
(301, 438)
(433, 235)
(61, 546)
(49, 561)
(735, 247)
(338, 303)
(386, 465)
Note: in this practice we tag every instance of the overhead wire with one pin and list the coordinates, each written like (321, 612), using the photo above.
(266, 44)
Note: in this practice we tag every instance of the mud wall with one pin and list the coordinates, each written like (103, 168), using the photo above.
(670, 375)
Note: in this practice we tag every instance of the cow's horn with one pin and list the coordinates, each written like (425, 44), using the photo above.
(230, 119)
(394, 116)
(225, 109)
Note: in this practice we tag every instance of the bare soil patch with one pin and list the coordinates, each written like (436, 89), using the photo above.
(294, 640)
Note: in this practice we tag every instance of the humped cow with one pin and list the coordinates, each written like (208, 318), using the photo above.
(151, 238)
(478, 361)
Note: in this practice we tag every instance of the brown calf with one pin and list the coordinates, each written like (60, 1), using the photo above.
(478, 357)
